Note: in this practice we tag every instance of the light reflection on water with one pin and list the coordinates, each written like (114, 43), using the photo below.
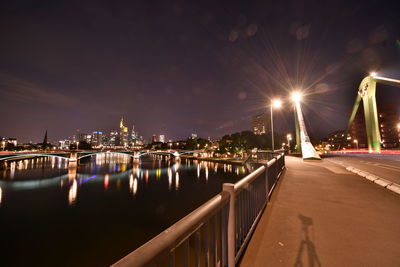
(113, 165)
(73, 190)
(132, 199)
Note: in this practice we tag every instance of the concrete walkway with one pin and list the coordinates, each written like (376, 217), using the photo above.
(322, 215)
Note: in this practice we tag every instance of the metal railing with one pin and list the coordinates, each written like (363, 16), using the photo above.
(216, 233)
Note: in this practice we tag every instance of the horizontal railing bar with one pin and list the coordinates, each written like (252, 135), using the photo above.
(175, 234)
(239, 186)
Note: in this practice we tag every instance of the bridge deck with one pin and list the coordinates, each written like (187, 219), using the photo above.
(322, 215)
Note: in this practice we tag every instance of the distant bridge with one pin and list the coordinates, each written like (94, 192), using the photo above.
(73, 156)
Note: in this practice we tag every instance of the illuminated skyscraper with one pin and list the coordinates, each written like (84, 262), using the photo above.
(260, 124)
(114, 138)
(123, 133)
(97, 138)
(133, 138)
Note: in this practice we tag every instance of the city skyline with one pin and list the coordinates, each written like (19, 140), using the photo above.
(181, 68)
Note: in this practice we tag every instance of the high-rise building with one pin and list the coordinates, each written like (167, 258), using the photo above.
(97, 139)
(260, 123)
(134, 138)
(338, 140)
(123, 133)
(389, 118)
(114, 139)
(105, 140)
(162, 138)
(64, 144)
(83, 137)
(154, 138)
(193, 136)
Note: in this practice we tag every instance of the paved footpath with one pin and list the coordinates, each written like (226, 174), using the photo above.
(322, 215)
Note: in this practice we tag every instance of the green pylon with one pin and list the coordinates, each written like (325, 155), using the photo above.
(296, 122)
(366, 92)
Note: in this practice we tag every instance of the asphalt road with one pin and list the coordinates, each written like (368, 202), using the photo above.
(322, 215)
(384, 166)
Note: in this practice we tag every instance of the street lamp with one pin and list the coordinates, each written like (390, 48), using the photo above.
(277, 103)
(296, 97)
(356, 142)
(289, 138)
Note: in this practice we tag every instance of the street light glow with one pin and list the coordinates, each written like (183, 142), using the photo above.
(373, 74)
(277, 103)
(296, 97)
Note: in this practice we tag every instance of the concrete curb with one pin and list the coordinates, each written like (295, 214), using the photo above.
(373, 178)
(376, 179)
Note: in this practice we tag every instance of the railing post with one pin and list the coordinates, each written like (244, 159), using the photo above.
(230, 188)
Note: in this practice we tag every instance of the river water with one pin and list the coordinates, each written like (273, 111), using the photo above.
(55, 214)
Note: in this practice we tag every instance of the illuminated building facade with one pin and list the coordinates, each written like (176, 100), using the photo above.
(123, 134)
(5, 142)
(114, 138)
(83, 137)
(97, 138)
(337, 139)
(260, 123)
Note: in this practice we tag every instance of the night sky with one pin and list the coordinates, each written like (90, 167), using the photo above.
(182, 67)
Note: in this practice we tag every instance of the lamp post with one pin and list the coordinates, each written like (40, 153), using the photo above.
(289, 138)
(356, 142)
(277, 103)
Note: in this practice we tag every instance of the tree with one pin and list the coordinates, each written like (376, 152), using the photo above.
(196, 143)
(9, 146)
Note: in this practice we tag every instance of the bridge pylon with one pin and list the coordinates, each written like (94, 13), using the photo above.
(73, 160)
(136, 155)
(366, 93)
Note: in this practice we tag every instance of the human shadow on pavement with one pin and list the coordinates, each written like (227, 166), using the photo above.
(307, 246)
